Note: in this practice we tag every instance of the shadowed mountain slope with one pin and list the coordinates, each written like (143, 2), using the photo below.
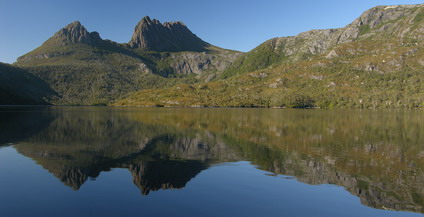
(19, 87)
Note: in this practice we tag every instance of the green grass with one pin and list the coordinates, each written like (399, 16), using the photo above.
(417, 198)
(259, 58)
(364, 29)
(418, 19)
(363, 185)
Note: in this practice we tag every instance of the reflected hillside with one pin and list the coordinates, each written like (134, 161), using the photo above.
(376, 155)
(22, 123)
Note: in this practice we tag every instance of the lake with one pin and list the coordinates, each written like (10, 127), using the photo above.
(100, 161)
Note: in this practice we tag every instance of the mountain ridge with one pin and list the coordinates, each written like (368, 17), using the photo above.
(321, 41)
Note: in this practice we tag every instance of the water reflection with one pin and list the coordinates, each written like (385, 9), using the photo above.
(377, 156)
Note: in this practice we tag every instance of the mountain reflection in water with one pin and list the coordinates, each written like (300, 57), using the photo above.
(376, 155)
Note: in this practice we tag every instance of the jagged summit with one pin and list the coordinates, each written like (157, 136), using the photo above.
(170, 36)
(75, 32)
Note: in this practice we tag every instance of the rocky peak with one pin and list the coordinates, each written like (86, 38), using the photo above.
(148, 21)
(380, 20)
(170, 36)
(171, 25)
(381, 14)
(76, 33)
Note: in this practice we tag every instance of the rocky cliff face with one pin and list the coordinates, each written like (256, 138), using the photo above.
(203, 64)
(170, 36)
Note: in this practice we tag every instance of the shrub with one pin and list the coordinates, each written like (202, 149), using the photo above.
(299, 101)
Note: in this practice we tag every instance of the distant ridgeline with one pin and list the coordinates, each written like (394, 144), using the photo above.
(376, 61)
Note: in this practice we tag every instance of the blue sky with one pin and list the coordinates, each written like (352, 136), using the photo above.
(233, 24)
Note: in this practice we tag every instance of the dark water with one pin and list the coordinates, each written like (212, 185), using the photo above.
(75, 161)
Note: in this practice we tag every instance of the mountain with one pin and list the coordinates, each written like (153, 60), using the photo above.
(85, 69)
(374, 62)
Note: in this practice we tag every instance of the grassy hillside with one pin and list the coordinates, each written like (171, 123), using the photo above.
(93, 76)
(363, 80)
(375, 62)
(89, 75)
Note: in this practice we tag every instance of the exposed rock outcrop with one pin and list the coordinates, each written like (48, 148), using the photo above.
(201, 63)
(76, 33)
(373, 21)
(170, 36)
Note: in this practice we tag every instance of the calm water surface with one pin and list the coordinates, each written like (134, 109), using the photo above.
(89, 161)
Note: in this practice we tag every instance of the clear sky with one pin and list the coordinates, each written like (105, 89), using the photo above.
(232, 24)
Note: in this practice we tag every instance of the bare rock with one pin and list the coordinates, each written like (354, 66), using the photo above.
(76, 33)
(170, 36)
(332, 54)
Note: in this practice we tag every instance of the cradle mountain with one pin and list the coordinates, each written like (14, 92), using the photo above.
(376, 61)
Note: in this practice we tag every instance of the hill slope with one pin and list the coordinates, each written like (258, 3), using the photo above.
(18, 87)
(402, 23)
(376, 61)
